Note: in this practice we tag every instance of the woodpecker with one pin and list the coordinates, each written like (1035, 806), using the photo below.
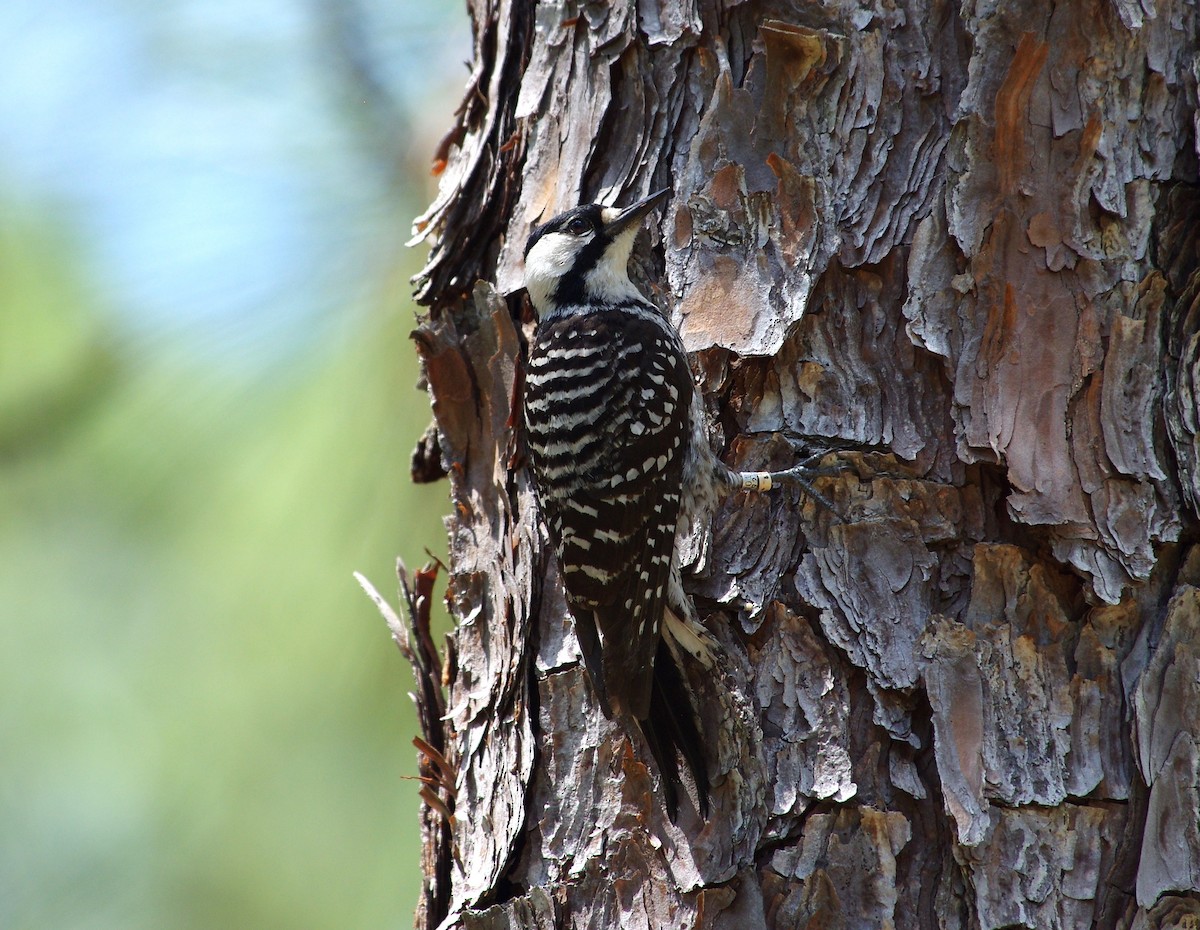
(623, 469)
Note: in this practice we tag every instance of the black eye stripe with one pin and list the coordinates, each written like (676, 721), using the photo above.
(588, 214)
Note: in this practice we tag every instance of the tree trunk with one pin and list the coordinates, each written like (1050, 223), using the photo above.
(962, 244)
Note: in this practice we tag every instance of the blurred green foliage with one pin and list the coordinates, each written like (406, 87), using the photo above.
(202, 720)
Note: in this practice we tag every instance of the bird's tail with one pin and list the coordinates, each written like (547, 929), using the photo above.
(672, 730)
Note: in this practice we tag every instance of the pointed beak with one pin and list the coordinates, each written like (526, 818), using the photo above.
(621, 221)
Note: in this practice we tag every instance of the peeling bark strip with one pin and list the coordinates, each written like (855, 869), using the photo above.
(415, 641)
(965, 236)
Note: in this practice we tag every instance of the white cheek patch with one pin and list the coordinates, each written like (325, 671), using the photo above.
(552, 253)
(549, 259)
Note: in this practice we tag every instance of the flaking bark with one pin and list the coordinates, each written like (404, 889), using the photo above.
(962, 238)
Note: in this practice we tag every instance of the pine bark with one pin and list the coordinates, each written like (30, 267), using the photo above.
(963, 242)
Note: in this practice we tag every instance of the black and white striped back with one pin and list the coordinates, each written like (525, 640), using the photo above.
(608, 402)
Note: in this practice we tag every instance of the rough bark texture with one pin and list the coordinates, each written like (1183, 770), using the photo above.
(964, 236)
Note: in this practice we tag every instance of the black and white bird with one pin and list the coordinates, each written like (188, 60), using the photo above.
(623, 470)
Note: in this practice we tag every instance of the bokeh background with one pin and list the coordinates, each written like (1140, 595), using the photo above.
(207, 402)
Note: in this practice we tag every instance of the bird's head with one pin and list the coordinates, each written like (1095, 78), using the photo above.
(582, 256)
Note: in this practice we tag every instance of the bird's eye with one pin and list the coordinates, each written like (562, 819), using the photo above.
(579, 226)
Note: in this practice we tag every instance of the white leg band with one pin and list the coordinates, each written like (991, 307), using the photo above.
(756, 481)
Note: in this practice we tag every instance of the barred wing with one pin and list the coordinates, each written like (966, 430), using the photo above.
(607, 401)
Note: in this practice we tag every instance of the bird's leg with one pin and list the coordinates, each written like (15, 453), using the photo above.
(799, 475)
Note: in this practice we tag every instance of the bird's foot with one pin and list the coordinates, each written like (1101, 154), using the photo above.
(800, 476)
